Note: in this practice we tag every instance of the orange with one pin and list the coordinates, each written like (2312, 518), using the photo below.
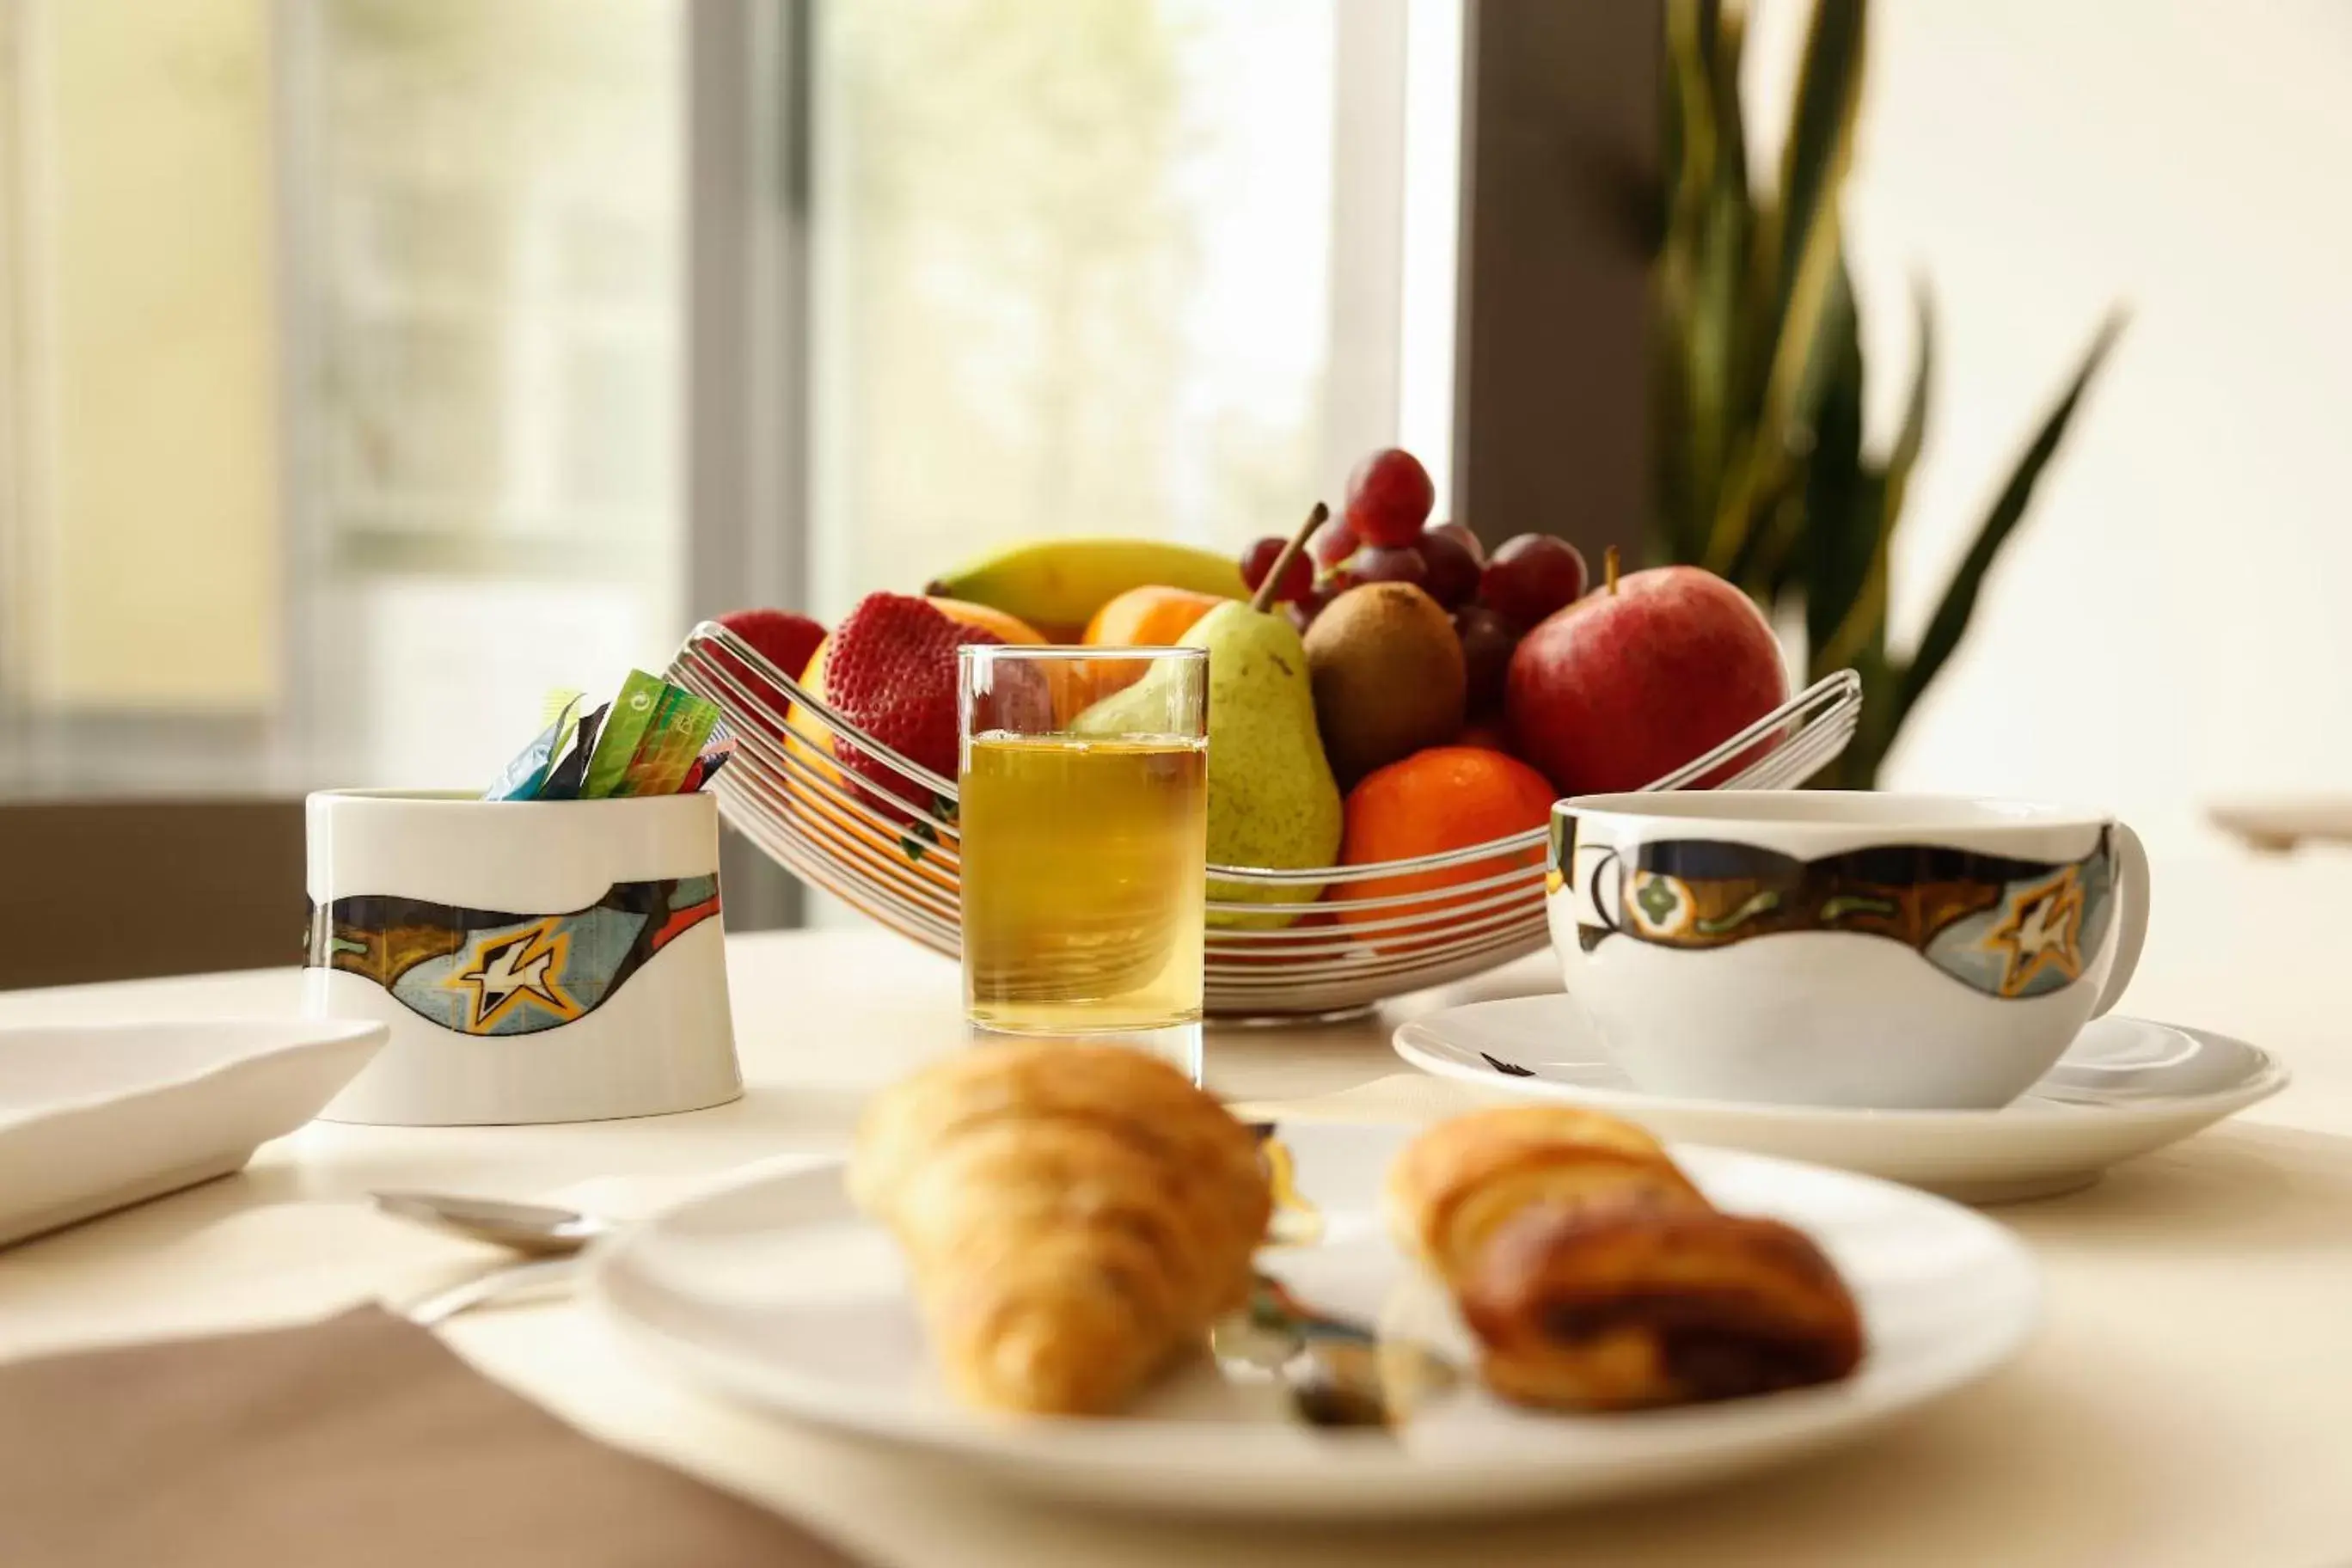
(1447, 797)
(989, 618)
(801, 724)
(1148, 617)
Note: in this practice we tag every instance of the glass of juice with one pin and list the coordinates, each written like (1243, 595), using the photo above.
(1083, 822)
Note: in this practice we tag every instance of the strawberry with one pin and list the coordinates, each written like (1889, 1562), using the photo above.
(784, 639)
(890, 669)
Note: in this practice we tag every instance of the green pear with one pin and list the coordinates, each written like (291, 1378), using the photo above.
(1272, 799)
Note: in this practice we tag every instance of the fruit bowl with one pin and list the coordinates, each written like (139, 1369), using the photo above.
(901, 866)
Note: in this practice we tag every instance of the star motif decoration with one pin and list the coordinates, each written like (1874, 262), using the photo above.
(517, 969)
(2044, 930)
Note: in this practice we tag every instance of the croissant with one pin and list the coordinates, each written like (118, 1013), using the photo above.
(1609, 1308)
(1455, 1184)
(1074, 1216)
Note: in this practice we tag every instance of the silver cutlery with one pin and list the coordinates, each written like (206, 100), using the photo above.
(550, 1238)
(508, 1280)
(1337, 1373)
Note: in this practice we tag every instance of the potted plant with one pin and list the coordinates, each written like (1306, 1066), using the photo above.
(1761, 471)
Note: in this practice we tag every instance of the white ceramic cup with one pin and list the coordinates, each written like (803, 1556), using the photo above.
(1850, 949)
(557, 960)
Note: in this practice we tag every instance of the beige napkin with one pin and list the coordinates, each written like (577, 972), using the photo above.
(359, 1442)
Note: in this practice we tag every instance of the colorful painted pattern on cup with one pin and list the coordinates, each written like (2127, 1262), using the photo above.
(488, 972)
(2008, 928)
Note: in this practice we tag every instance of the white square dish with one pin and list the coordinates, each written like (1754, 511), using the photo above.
(96, 1117)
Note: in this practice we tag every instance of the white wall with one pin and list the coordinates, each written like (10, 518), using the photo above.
(2174, 622)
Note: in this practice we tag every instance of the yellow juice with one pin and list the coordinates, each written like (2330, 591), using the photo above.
(1082, 880)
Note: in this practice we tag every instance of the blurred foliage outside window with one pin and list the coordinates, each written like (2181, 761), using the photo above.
(1072, 273)
(345, 358)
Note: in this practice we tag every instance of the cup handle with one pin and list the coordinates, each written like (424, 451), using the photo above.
(2132, 893)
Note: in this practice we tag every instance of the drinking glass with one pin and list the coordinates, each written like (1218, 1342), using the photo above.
(1083, 822)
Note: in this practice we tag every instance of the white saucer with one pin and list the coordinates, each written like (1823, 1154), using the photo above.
(2123, 1087)
(776, 1292)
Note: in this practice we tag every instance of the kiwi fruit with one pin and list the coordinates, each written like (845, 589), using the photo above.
(1387, 676)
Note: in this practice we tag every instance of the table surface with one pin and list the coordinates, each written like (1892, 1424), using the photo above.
(2186, 1402)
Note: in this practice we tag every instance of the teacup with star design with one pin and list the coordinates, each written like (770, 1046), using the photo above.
(1842, 948)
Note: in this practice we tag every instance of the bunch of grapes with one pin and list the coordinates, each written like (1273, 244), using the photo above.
(1385, 536)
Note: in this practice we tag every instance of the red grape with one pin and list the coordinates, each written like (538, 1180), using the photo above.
(1303, 610)
(1389, 498)
(1530, 576)
(1377, 563)
(1259, 559)
(1487, 640)
(1333, 542)
(1454, 574)
(1460, 533)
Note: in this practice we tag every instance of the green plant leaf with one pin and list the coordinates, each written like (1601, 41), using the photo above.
(1840, 566)
(1794, 265)
(1714, 347)
(1701, 268)
(1672, 476)
(1689, 142)
(1907, 439)
(1772, 562)
(1812, 340)
(1951, 618)
(1819, 144)
(1866, 616)
(1684, 425)
(1726, 46)
(1841, 504)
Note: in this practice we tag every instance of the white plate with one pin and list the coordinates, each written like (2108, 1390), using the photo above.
(2280, 823)
(96, 1117)
(2123, 1087)
(774, 1291)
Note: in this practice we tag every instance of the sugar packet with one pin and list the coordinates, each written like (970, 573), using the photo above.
(671, 745)
(653, 739)
(564, 781)
(714, 757)
(624, 726)
(524, 777)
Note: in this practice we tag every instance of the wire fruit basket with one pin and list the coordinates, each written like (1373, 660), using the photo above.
(1460, 912)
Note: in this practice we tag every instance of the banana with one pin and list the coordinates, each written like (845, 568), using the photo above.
(1057, 585)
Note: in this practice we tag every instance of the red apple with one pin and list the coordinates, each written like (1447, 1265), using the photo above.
(1638, 678)
(785, 639)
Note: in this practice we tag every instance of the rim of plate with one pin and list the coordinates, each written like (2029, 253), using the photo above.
(299, 1036)
(2268, 1078)
(1788, 1421)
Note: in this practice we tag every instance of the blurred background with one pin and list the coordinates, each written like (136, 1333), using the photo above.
(359, 347)
(367, 366)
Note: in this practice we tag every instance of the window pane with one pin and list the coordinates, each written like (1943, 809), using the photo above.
(490, 217)
(141, 529)
(1072, 277)
(344, 341)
